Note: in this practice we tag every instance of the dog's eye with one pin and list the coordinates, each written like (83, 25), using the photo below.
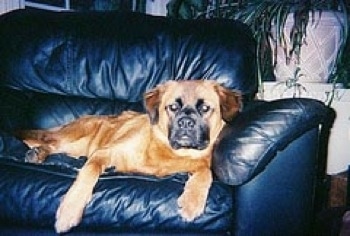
(204, 108)
(174, 107)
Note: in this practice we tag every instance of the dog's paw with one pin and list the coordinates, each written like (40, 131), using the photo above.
(67, 216)
(70, 213)
(36, 155)
(32, 155)
(64, 224)
(191, 205)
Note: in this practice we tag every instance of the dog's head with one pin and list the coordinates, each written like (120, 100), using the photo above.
(190, 114)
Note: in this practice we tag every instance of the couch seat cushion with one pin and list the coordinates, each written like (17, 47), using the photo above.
(30, 195)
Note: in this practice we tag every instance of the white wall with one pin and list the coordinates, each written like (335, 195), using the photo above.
(156, 7)
(9, 5)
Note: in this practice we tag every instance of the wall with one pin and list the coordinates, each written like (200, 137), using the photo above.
(9, 5)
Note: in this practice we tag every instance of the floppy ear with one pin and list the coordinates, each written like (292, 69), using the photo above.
(230, 102)
(151, 103)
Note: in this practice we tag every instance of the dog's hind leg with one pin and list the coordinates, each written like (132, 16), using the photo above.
(37, 154)
(41, 144)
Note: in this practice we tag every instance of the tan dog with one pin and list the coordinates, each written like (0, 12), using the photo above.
(178, 134)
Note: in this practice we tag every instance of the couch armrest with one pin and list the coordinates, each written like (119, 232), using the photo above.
(250, 142)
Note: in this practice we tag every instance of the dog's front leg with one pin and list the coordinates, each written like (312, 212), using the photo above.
(71, 208)
(193, 200)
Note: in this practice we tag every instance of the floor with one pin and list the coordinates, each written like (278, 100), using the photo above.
(329, 222)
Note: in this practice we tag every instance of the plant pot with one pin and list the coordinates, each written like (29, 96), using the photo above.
(318, 55)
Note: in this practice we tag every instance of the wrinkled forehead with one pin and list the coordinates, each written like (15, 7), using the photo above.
(191, 92)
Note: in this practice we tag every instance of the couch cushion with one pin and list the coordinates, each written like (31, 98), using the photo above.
(120, 55)
(32, 110)
(30, 194)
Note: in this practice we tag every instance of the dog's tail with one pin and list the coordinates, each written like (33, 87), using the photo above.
(34, 138)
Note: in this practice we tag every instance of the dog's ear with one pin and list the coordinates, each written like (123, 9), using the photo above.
(152, 100)
(230, 102)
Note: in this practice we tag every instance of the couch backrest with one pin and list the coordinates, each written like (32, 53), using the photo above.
(118, 56)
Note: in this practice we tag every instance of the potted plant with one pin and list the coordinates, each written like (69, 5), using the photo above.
(281, 29)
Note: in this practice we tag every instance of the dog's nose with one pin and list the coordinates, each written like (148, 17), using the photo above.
(186, 123)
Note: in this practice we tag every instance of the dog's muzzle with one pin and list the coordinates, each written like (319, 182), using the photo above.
(188, 132)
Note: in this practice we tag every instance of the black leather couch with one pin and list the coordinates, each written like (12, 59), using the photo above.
(55, 67)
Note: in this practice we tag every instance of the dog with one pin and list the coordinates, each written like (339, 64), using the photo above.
(176, 134)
